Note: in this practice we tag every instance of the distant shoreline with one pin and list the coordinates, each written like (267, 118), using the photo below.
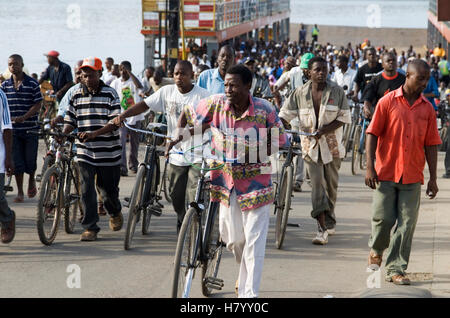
(397, 38)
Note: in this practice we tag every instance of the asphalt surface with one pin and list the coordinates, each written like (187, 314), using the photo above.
(299, 269)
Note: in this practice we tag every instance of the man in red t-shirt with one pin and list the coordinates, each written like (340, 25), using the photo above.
(402, 135)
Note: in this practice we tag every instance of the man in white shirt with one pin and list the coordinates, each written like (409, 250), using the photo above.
(7, 216)
(344, 76)
(172, 100)
(129, 89)
(108, 76)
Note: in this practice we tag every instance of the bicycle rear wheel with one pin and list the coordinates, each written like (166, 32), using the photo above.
(283, 205)
(210, 267)
(355, 152)
(147, 213)
(49, 206)
(72, 192)
(185, 256)
(134, 209)
(165, 183)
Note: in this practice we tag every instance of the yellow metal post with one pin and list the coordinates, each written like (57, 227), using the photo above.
(183, 52)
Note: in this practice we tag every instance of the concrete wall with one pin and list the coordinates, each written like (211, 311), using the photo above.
(400, 39)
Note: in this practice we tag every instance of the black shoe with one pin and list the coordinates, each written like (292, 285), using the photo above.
(124, 173)
(446, 176)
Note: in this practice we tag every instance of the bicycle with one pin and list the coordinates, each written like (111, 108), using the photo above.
(359, 145)
(60, 190)
(349, 129)
(283, 188)
(51, 146)
(144, 198)
(165, 183)
(199, 243)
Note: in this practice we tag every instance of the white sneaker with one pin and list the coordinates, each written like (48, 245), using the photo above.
(331, 231)
(321, 238)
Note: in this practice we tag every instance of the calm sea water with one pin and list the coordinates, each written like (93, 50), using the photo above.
(80, 28)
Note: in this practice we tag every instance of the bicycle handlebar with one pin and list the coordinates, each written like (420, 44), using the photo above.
(148, 132)
(301, 133)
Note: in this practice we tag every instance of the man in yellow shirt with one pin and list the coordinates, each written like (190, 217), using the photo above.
(439, 51)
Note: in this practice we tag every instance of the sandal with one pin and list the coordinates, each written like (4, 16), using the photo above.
(32, 192)
(18, 199)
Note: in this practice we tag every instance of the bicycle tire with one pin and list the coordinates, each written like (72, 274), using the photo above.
(147, 215)
(133, 211)
(283, 205)
(187, 244)
(49, 160)
(355, 152)
(165, 181)
(346, 138)
(46, 206)
(210, 267)
(72, 192)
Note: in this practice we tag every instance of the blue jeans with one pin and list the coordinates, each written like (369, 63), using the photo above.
(25, 149)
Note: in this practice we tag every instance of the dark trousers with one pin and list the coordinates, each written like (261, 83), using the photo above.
(108, 185)
(25, 149)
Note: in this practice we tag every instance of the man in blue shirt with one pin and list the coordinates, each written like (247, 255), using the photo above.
(431, 92)
(24, 99)
(213, 79)
(59, 74)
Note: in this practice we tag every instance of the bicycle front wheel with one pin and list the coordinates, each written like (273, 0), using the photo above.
(165, 183)
(49, 206)
(355, 151)
(283, 205)
(185, 255)
(134, 209)
(210, 267)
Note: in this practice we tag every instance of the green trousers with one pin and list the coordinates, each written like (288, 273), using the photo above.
(324, 182)
(394, 203)
(182, 187)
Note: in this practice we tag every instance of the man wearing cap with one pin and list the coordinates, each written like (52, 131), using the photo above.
(90, 110)
(59, 74)
(260, 85)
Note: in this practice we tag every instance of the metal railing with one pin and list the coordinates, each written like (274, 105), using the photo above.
(233, 12)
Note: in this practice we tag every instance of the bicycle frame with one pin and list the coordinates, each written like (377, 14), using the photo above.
(362, 140)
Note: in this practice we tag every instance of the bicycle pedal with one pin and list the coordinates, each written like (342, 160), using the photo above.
(8, 188)
(156, 211)
(213, 285)
(214, 280)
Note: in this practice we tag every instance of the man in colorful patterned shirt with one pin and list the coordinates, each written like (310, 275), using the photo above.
(243, 188)
(321, 107)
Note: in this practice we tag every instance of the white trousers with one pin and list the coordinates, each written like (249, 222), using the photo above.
(245, 234)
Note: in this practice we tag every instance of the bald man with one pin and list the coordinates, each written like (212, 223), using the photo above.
(402, 136)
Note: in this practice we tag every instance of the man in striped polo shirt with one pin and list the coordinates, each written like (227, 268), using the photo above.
(24, 99)
(7, 216)
(90, 109)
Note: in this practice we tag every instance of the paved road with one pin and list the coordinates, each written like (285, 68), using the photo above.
(300, 269)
